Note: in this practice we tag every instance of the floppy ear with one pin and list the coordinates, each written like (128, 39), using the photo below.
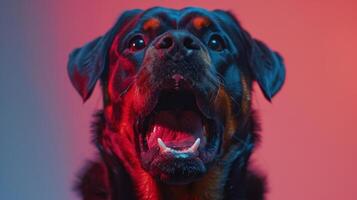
(267, 68)
(265, 65)
(87, 64)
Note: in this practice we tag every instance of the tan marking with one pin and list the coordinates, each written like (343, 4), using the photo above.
(246, 96)
(200, 22)
(151, 24)
(223, 106)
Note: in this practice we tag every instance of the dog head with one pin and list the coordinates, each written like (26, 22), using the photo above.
(176, 87)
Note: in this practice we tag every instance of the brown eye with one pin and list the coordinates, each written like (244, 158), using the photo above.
(216, 43)
(137, 43)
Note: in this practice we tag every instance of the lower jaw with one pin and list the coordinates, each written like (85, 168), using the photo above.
(153, 161)
(176, 171)
(206, 155)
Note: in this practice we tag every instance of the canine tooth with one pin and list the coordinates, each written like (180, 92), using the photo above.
(195, 146)
(162, 145)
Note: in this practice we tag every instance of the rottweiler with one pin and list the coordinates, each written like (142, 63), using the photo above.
(177, 120)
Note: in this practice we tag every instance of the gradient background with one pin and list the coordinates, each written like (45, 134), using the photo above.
(309, 133)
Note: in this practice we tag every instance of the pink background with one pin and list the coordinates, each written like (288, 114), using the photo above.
(309, 139)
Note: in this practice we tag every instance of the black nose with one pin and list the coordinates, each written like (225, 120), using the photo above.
(177, 41)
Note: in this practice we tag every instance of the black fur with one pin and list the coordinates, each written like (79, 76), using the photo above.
(106, 178)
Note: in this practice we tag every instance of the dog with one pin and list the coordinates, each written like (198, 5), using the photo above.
(177, 120)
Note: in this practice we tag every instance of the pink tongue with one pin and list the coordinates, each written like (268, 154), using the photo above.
(178, 129)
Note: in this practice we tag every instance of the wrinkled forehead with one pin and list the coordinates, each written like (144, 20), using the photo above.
(156, 18)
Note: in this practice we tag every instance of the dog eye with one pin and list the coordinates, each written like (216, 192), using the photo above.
(216, 43)
(137, 43)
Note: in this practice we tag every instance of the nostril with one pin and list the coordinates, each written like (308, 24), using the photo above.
(165, 43)
(189, 43)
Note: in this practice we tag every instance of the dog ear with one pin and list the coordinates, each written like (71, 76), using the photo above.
(267, 68)
(87, 64)
(265, 65)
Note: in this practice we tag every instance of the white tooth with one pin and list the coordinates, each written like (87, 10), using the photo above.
(195, 146)
(162, 145)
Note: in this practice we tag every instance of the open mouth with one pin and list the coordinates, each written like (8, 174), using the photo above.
(177, 133)
(176, 126)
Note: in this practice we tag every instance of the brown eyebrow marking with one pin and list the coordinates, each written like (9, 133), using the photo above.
(200, 22)
(151, 24)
